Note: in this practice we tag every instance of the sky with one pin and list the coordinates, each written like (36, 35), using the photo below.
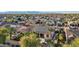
(39, 5)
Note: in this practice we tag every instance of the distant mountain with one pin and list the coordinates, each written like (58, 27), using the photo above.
(38, 12)
(26, 12)
(19, 12)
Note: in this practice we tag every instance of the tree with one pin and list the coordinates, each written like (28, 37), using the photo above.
(61, 38)
(23, 41)
(4, 35)
(29, 40)
(2, 38)
(75, 42)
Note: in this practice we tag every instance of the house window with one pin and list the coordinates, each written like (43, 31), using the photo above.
(42, 35)
(47, 35)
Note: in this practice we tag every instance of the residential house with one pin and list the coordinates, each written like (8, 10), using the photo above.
(42, 31)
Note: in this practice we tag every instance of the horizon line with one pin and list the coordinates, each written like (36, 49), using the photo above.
(39, 12)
